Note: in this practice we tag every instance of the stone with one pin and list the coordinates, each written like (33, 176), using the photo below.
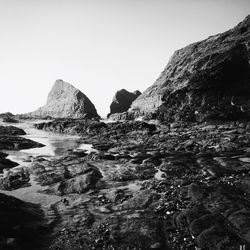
(63, 101)
(10, 119)
(14, 178)
(11, 130)
(16, 143)
(122, 101)
(6, 163)
(206, 80)
(80, 184)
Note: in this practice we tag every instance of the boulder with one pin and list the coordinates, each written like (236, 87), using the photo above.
(65, 101)
(207, 80)
(122, 101)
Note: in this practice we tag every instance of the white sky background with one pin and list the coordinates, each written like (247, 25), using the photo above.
(99, 46)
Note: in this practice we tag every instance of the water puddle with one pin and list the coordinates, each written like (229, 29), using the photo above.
(159, 175)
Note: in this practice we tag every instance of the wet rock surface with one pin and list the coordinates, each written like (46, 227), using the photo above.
(10, 140)
(174, 186)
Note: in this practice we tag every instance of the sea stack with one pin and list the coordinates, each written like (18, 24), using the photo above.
(204, 81)
(122, 101)
(65, 101)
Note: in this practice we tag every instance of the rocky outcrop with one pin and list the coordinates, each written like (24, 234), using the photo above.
(8, 117)
(203, 81)
(64, 100)
(11, 130)
(122, 101)
(6, 163)
(9, 139)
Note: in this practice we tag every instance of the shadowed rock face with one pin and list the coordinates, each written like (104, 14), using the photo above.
(64, 100)
(205, 80)
(122, 101)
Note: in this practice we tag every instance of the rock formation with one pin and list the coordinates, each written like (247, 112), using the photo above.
(64, 100)
(203, 81)
(122, 101)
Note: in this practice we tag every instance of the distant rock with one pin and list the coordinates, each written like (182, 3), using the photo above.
(6, 114)
(122, 101)
(8, 117)
(11, 130)
(11, 142)
(65, 101)
(204, 81)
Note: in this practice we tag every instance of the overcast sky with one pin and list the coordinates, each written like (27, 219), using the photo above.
(99, 46)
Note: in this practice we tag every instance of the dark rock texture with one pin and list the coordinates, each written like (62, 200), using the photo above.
(203, 81)
(17, 143)
(6, 163)
(11, 130)
(20, 223)
(14, 178)
(76, 175)
(176, 186)
(10, 140)
(64, 100)
(8, 117)
(122, 101)
(2, 115)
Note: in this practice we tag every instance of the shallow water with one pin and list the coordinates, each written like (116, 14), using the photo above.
(55, 145)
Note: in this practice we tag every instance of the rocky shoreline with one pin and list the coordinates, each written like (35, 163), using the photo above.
(150, 186)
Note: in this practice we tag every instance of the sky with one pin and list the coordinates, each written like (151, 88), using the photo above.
(99, 46)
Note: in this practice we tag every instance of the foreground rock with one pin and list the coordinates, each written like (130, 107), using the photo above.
(14, 178)
(122, 101)
(75, 176)
(175, 186)
(203, 81)
(63, 101)
(21, 223)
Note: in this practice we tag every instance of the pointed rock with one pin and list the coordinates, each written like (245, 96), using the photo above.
(65, 101)
(122, 101)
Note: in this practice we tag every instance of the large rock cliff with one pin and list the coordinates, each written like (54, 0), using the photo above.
(122, 101)
(206, 80)
(64, 100)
